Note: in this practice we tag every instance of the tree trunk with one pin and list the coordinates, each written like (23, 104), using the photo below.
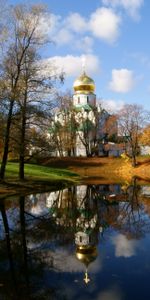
(22, 140)
(23, 233)
(22, 148)
(6, 143)
(133, 161)
(8, 243)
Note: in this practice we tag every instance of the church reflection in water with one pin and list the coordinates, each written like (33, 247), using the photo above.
(83, 208)
(75, 207)
(62, 232)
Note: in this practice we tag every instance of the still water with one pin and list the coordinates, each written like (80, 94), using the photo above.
(85, 242)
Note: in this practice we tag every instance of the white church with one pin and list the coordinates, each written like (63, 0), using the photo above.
(90, 119)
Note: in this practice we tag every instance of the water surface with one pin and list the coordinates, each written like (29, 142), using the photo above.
(85, 242)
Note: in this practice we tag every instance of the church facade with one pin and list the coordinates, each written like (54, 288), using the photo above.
(84, 102)
(84, 126)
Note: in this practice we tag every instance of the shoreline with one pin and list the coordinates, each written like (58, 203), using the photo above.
(93, 170)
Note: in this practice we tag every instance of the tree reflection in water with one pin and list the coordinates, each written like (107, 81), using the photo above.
(38, 231)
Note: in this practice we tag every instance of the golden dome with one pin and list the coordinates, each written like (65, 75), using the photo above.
(84, 84)
(86, 254)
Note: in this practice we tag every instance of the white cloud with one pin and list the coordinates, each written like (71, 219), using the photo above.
(63, 37)
(122, 81)
(65, 31)
(123, 246)
(111, 105)
(132, 7)
(49, 24)
(85, 44)
(110, 294)
(53, 26)
(72, 65)
(73, 30)
(104, 24)
(76, 22)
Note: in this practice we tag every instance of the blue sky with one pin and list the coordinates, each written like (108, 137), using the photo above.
(113, 38)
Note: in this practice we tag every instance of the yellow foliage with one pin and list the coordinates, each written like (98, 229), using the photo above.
(145, 137)
(125, 156)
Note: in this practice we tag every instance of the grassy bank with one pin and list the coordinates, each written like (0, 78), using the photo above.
(39, 172)
(37, 178)
(104, 169)
(53, 173)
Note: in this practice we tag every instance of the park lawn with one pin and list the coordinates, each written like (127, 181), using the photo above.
(55, 173)
(37, 178)
(39, 172)
(73, 169)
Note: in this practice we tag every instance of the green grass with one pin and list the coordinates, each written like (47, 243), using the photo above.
(39, 172)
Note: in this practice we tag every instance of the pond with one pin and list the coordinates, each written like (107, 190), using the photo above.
(84, 242)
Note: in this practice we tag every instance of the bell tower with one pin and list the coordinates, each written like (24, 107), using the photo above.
(84, 103)
(84, 88)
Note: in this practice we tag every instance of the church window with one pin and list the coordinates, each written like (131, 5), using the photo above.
(87, 99)
(78, 100)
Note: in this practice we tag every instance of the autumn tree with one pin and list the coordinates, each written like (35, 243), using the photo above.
(63, 126)
(131, 120)
(19, 69)
(145, 136)
(4, 23)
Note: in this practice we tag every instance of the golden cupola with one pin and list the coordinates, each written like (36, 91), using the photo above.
(86, 254)
(84, 85)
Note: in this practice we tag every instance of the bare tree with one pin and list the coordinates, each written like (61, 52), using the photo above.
(3, 25)
(24, 38)
(131, 119)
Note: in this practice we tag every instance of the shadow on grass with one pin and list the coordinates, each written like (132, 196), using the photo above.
(65, 162)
